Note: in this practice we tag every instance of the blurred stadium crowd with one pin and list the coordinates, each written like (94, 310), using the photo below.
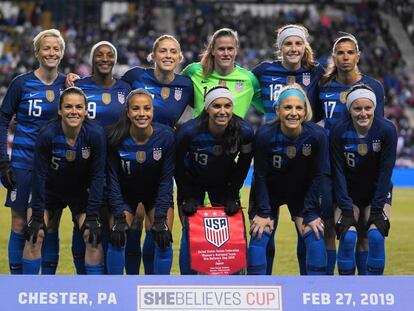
(133, 26)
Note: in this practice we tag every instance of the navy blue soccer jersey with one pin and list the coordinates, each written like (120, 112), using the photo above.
(362, 166)
(332, 100)
(104, 105)
(287, 170)
(202, 162)
(34, 104)
(138, 173)
(273, 77)
(68, 171)
(170, 100)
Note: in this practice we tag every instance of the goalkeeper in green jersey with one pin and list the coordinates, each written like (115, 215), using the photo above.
(217, 67)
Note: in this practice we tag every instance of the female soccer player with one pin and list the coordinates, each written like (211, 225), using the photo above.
(141, 169)
(33, 97)
(295, 63)
(289, 162)
(106, 98)
(70, 155)
(341, 75)
(172, 94)
(363, 151)
(217, 67)
(213, 155)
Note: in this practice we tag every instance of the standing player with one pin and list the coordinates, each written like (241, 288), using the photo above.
(70, 156)
(363, 152)
(33, 97)
(141, 170)
(291, 157)
(341, 75)
(214, 152)
(172, 94)
(295, 63)
(217, 67)
(106, 97)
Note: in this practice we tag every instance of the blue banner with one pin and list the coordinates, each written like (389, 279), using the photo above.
(144, 293)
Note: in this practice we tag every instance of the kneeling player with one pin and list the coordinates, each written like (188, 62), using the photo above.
(291, 156)
(214, 152)
(140, 170)
(69, 171)
(363, 152)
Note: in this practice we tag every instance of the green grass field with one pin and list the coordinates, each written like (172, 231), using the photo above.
(399, 244)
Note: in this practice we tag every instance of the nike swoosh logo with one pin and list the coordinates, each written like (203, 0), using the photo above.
(278, 149)
(90, 96)
(275, 79)
(148, 88)
(203, 81)
(329, 95)
(348, 147)
(33, 94)
(123, 154)
(202, 149)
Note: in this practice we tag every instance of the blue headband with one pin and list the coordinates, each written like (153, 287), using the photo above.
(287, 93)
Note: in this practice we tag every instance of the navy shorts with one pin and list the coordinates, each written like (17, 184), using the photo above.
(362, 203)
(295, 209)
(19, 198)
(76, 202)
(148, 203)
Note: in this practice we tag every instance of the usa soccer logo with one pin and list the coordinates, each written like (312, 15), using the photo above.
(216, 230)
(157, 153)
(121, 98)
(306, 78)
(177, 93)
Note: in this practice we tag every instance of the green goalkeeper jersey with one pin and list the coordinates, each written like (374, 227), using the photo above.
(242, 84)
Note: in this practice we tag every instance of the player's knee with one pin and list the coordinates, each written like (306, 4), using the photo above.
(375, 239)
(348, 241)
(18, 224)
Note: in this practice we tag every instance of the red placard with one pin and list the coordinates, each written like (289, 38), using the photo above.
(217, 242)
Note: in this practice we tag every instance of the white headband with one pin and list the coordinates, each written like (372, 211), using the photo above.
(347, 37)
(98, 45)
(217, 93)
(290, 31)
(360, 93)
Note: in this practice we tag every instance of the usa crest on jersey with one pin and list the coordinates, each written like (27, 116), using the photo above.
(306, 149)
(121, 98)
(216, 230)
(70, 155)
(291, 152)
(376, 145)
(106, 98)
(50, 95)
(306, 78)
(362, 149)
(86, 152)
(217, 150)
(165, 92)
(342, 97)
(178, 93)
(239, 86)
(140, 156)
(290, 80)
(157, 153)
